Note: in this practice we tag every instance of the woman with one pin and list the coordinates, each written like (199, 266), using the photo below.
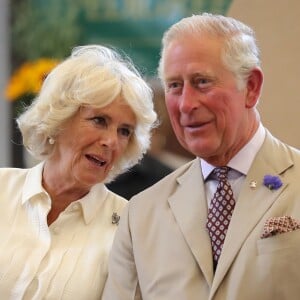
(90, 122)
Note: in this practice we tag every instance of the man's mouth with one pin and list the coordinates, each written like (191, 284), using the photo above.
(196, 124)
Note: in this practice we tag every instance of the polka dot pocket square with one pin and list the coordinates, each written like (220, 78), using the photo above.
(278, 225)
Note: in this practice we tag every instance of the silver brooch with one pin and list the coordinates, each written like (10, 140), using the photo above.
(115, 218)
(253, 184)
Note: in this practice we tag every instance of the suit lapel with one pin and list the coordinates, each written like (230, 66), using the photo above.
(253, 204)
(189, 207)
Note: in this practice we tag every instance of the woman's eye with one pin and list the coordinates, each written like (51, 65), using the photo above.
(125, 131)
(99, 121)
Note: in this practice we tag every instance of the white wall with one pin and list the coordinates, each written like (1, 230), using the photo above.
(277, 26)
(5, 155)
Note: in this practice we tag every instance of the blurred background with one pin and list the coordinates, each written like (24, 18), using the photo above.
(36, 34)
(39, 33)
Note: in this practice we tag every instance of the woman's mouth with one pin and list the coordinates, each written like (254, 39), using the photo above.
(96, 160)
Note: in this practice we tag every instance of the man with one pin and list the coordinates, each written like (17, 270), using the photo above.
(167, 246)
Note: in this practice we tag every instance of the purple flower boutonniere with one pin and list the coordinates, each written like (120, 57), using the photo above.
(272, 182)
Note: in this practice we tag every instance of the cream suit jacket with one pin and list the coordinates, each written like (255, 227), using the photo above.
(162, 250)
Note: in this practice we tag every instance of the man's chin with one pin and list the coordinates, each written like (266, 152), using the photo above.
(202, 150)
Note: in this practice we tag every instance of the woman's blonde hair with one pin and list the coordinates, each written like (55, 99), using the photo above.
(93, 75)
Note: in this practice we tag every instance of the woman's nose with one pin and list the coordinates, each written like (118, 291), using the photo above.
(109, 139)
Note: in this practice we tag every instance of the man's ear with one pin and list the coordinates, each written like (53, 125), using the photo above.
(254, 86)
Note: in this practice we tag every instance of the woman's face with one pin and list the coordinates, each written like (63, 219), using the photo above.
(92, 141)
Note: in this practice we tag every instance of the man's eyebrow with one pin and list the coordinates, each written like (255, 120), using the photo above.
(171, 78)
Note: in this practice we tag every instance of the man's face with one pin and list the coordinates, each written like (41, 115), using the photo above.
(209, 115)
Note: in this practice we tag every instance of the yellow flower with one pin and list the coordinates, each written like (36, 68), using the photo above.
(28, 78)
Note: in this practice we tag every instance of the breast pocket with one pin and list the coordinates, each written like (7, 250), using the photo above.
(278, 260)
(284, 242)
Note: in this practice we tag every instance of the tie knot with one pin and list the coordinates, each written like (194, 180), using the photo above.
(221, 172)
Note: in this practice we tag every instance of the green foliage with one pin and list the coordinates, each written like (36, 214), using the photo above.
(51, 28)
(47, 29)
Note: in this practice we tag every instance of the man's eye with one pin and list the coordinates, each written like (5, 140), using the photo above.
(173, 86)
(202, 82)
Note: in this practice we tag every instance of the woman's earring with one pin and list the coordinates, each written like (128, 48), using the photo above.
(51, 141)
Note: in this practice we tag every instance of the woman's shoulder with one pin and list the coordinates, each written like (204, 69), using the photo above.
(116, 201)
(12, 181)
(114, 197)
(8, 174)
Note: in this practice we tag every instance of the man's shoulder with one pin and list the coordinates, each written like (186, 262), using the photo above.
(278, 154)
(276, 146)
(164, 187)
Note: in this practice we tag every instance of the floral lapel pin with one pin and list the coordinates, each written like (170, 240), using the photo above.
(253, 184)
(272, 182)
(115, 218)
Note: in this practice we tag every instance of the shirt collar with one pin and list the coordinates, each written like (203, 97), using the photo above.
(33, 183)
(242, 161)
(90, 203)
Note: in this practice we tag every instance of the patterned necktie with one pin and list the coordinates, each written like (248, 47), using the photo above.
(219, 213)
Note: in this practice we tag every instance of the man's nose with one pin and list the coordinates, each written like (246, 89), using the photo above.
(189, 99)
